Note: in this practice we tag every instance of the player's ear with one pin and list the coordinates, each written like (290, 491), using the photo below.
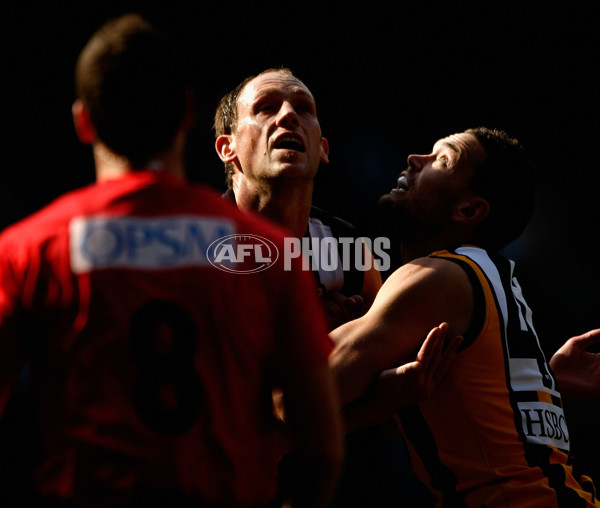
(324, 150)
(83, 123)
(225, 146)
(472, 210)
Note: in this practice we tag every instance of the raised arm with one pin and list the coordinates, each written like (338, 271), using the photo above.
(406, 384)
(415, 299)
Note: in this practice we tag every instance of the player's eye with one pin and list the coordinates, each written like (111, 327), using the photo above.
(266, 107)
(304, 107)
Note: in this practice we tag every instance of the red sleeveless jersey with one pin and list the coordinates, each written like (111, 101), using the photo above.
(152, 365)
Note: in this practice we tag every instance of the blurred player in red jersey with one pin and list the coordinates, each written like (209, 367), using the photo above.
(152, 369)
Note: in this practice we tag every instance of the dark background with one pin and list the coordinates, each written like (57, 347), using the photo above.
(389, 79)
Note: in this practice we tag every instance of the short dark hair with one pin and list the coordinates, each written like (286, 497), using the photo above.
(132, 81)
(226, 115)
(506, 179)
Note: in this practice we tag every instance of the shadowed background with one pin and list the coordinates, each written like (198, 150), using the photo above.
(389, 79)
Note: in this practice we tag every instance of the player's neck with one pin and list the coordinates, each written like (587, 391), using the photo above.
(422, 246)
(285, 202)
(413, 250)
(110, 165)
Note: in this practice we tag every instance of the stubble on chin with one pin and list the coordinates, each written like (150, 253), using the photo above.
(392, 212)
(387, 203)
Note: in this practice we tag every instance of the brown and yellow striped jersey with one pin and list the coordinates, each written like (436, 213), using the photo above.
(494, 433)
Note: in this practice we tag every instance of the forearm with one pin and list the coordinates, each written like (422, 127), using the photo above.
(353, 374)
(392, 390)
(356, 361)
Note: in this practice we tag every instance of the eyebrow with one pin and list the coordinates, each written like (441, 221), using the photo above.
(277, 91)
(452, 146)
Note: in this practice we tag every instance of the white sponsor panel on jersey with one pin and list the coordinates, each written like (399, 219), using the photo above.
(544, 423)
(143, 243)
(525, 375)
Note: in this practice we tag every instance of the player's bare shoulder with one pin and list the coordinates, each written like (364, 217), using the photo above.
(429, 287)
(427, 273)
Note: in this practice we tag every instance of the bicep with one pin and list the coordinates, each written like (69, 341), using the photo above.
(415, 299)
(358, 355)
(374, 342)
(371, 285)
